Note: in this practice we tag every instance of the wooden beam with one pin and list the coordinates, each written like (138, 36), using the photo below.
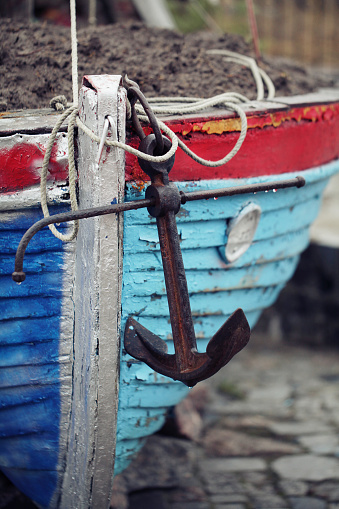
(92, 437)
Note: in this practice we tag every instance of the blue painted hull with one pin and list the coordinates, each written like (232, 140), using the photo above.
(30, 360)
(253, 282)
(35, 351)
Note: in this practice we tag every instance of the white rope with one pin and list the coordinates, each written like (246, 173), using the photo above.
(134, 151)
(72, 112)
(187, 99)
(195, 105)
(59, 103)
(260, 76)
(232, 153)
(75, 85)
(175, 142)
(269, 84)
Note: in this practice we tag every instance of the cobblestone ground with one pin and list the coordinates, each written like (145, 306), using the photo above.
(268, 438)
(262, 434)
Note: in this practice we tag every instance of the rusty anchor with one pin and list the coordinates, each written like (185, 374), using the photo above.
(187, 364)
(163, 201)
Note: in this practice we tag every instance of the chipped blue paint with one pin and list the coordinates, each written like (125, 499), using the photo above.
(214, 280)
(216, 289)
(283, 246)
(275, 222)
(204, 303)
(30, 360)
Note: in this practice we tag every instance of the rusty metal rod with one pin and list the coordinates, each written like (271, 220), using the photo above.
(177, 293)
(18, 274)
(249, 188)
(152, 119)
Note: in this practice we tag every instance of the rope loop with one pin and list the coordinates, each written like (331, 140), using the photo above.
(72, 113)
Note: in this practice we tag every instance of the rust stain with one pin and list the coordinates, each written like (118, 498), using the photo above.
(149, 420)
(221, 126)
(139, 185)
(274, 119)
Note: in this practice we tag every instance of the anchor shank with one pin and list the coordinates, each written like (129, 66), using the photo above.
(177, 292)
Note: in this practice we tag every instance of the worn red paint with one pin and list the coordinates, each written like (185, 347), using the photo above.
(276, 142)
(21, 166)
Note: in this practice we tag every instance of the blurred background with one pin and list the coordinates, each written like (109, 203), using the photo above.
(305, 30)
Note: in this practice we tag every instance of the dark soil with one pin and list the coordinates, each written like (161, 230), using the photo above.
(35, 63)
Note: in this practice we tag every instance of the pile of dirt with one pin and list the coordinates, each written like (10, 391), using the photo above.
(35, 63)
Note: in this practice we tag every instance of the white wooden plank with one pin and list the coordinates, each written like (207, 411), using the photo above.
(90, 461)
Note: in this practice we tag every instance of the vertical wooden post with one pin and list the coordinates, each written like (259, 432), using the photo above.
(97, 297)
(252, 21)
(308, 33)
(330, 34)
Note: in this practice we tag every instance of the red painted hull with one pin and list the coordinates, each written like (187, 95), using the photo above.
(275, 143)
(281, 141)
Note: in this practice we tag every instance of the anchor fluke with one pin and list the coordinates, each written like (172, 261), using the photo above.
(236, 328)
(232, 337)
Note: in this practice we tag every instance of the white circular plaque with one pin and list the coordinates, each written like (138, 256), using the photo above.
(240, 232)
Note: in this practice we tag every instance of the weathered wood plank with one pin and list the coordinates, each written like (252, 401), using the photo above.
(92, 435)
(223, 302)
(147, 284)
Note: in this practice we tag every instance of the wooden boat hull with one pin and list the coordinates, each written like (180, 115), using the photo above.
(216, 288)
(37, 353)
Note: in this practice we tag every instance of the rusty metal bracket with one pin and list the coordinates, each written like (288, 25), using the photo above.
(163, 201)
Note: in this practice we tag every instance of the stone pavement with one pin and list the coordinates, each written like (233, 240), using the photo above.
(262, 434)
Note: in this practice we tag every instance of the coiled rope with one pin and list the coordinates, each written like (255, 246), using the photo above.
(160, 106)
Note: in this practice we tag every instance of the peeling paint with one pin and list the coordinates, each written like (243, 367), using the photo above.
(310, 132)
(139, 185)
(275, 119)
(21, 159)
(144, 394)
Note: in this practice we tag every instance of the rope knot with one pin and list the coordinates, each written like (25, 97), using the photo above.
(59, 102)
